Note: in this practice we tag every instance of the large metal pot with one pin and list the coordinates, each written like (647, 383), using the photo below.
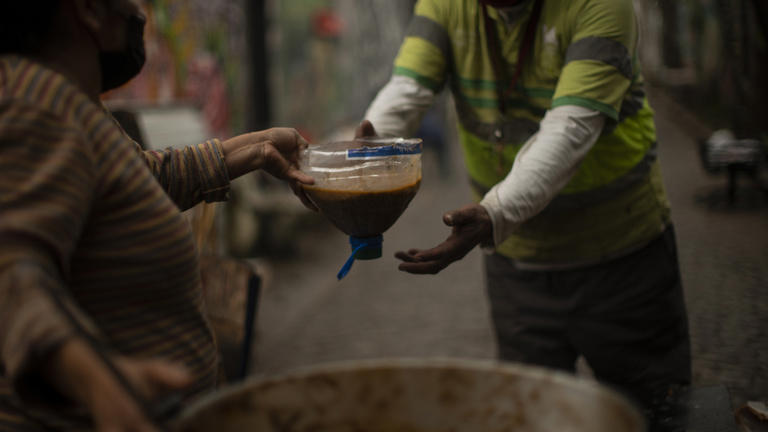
(415, 396)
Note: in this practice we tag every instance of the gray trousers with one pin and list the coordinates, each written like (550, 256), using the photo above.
(627, 317)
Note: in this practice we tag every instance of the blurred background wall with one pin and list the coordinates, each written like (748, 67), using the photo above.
(712, 56)
(196, 55)
(331, 57)
(324, 60)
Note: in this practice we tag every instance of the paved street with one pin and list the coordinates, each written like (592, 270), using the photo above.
(724, 262)
(307, 317)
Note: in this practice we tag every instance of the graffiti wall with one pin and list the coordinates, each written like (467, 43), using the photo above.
(327, 59)
(195, 55)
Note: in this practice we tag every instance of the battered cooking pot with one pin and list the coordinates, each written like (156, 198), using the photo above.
(415, 396)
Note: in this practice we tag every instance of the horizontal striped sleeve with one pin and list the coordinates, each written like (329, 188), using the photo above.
(598, 67)
(45, 199)
(192, 174)
(214, 176)
(83, 216)
(425, 53)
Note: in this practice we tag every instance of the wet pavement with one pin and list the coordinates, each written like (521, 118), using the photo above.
(723, 252)
(307, 317)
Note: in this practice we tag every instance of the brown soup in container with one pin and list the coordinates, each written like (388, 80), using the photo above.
(362, 213)
(363, 186)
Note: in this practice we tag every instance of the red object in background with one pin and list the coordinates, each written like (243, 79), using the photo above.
(326, 24)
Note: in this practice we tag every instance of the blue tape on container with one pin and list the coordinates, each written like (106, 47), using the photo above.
(358, 244)
(377, 152)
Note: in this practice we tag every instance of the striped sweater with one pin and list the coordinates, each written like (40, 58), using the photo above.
(87, 216)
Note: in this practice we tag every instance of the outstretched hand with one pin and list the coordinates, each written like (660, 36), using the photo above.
(471, 225)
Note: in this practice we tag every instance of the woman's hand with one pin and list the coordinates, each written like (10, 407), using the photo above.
(276, 151)
(79, 373)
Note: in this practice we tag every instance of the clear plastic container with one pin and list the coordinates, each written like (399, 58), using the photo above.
(363, 186)
(415, 395)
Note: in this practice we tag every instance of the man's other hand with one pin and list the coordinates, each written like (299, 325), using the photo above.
(471, 225)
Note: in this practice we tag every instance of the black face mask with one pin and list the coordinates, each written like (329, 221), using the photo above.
(118, 67)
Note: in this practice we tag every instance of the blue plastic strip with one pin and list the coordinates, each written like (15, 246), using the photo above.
(358, 243)
(372, 152)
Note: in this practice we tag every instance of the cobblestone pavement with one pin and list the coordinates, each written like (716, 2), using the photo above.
(307, 316)
(723, 253)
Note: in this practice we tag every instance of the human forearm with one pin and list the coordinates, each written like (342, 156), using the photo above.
(398, 108)
(115, 404)
(192, 174)
(542, 168)
(46, 351)
(33, 325)
(45, 342)
(203, 172)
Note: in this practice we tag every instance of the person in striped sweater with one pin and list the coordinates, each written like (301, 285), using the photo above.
(96, 261)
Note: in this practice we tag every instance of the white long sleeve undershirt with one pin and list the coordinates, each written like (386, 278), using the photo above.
(398, 108)
(542, 168)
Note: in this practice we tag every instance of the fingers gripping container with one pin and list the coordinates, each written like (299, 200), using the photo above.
(362, 187)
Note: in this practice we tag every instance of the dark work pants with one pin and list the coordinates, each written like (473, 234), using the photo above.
(627, 317)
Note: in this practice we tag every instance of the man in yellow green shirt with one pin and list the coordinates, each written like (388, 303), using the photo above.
(560, 147)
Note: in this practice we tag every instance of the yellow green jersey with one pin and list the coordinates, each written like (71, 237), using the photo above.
(584, 53)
